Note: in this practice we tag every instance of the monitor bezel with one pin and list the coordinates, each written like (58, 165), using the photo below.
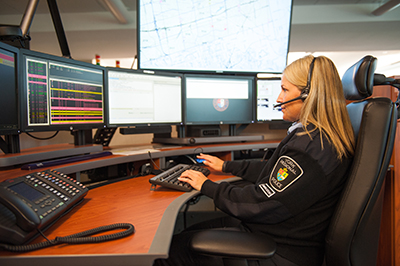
(251, 91)
(141, 72)
(206, 71)
(23, 93)
(16, 51)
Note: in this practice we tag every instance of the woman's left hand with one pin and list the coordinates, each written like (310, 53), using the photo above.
(194, 178)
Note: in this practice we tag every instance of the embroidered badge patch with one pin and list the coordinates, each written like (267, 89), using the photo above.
(286, 171)
(282, 174)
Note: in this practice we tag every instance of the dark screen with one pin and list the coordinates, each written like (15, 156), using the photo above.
(8, 88)
(26, 191)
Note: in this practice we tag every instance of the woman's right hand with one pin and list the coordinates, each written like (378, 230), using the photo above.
(211, 161)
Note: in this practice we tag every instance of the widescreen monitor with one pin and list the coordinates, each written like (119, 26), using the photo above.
(143, 98)
(218, 36)
(9, 119)
(218, 99)
(267, 93)
(59, 93)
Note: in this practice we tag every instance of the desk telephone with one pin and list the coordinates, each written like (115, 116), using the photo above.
(35, 201)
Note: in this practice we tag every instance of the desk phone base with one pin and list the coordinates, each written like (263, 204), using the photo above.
(35, 201)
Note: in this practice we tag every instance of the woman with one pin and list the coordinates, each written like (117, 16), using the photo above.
(292, 196)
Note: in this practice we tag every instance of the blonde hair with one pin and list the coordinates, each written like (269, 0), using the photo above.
(325, 106)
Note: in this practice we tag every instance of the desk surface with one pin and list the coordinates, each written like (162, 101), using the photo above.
(153, 213)
(130, 201)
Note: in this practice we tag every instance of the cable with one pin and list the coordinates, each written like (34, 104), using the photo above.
(155, 165)
(79, 238)
(133, 63)
(43, 235)
(55, 134)
(198, 148)
(190, 158)
(195, 160)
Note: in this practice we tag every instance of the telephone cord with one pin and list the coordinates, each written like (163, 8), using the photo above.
(79, 238)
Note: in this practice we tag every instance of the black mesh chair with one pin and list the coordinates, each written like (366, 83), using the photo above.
(353, 234)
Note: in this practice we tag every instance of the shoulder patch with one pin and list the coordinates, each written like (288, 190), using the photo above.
(286, 171)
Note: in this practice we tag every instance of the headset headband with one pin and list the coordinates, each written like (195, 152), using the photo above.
(310, 71)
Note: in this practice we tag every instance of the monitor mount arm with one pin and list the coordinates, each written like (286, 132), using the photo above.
(20, 33)
(58, 26)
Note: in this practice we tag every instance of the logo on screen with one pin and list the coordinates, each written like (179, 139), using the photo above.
(221, 104)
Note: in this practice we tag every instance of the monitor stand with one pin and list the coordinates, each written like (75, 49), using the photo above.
(209, 134)
(10, 144)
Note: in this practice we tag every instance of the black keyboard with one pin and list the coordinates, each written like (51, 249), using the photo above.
(169, 178)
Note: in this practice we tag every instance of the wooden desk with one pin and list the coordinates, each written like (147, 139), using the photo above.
(153, 213)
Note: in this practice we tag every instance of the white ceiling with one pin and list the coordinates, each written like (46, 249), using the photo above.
(344, 30)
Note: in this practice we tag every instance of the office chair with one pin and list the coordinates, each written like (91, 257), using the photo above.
(353, 234)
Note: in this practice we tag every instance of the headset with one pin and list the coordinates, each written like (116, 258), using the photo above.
(306, 90)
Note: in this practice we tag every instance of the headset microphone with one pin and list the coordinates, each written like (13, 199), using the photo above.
(304, 93)
(301, 97)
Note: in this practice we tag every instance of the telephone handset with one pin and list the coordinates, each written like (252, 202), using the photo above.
(35, 201)
(27, 219)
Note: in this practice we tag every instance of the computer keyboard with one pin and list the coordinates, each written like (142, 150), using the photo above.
(169, 178)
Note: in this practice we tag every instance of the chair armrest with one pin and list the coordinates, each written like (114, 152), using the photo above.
(233, 244)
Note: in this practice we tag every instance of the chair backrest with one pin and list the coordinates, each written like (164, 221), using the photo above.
(353, 234)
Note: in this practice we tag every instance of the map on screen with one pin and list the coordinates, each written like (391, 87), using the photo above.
(218, 35)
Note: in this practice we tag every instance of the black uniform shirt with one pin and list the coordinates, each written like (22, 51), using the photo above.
(290, 197)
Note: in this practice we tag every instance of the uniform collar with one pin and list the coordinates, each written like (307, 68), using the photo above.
(294, 126)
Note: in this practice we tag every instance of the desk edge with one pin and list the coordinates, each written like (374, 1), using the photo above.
(166, 227)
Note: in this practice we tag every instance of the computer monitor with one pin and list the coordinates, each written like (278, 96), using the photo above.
(218, 99)
(218, 36)
(9, 119)
(143, 98)
(59, 93)
(267, 93)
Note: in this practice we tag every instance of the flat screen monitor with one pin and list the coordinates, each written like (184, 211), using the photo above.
(218, 99)
(267, 93)
(218, 36)
(143, 98)
(59, 93)
(9, 119)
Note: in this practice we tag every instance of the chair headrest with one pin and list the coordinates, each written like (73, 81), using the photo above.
(358, 80)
